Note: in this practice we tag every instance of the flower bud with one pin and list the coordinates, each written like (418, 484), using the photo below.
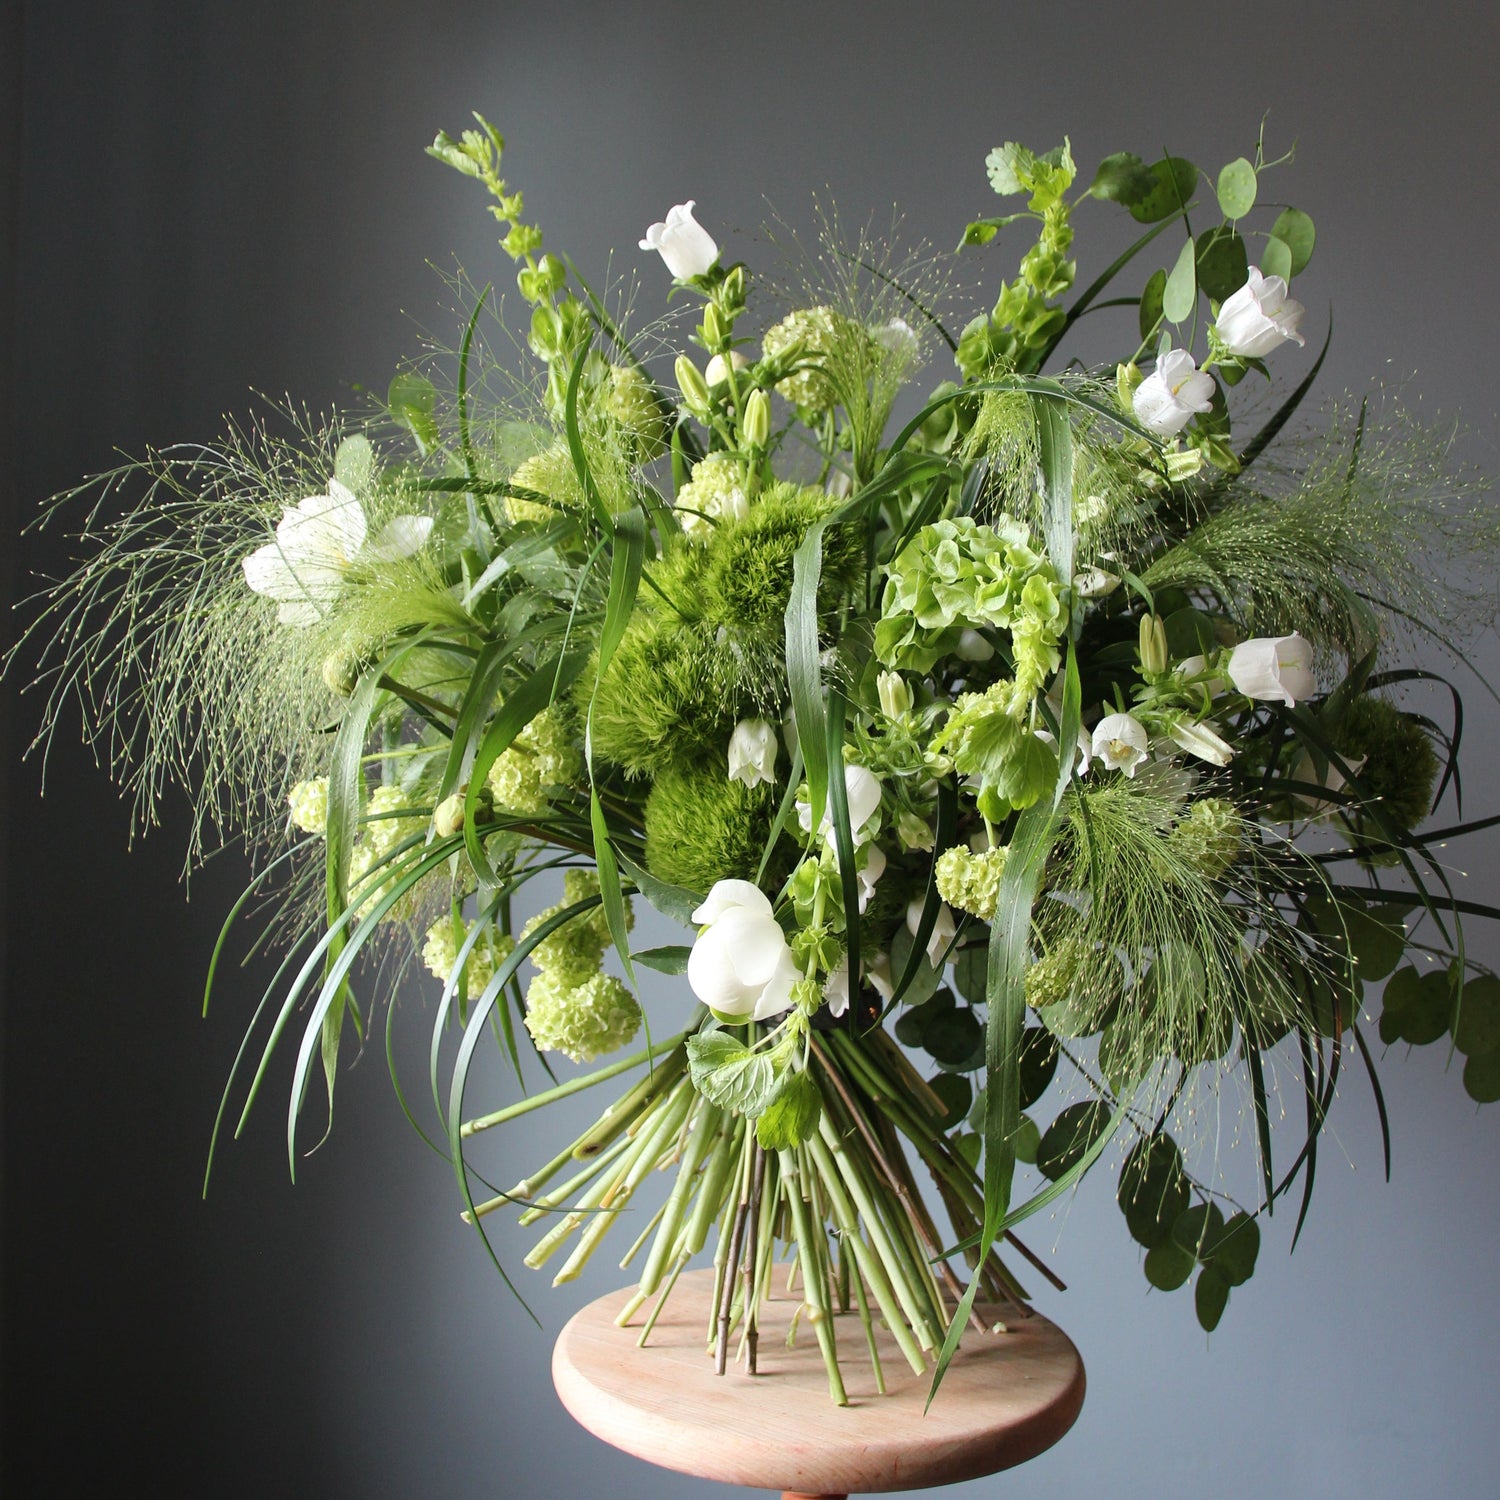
(448, 816)
(895, 694)
(719, 367)
(713, 328)
(691, 383)
(755, 426)
(752, 753)
(1153, 646)
(732, 293)
(341, 672)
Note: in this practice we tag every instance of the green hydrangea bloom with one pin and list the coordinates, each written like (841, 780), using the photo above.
(308, 801)
(582, 1021)
(1209, 837)
(958, 574)
(971, 881)
(817, 330)
(543, 755)
(715, 492)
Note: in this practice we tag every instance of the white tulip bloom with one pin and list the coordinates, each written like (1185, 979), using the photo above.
(316, 545)
(1259, 317)
(1273, 669)
(862, 792)
(1120, 741)
(686, 246)
(1172, 394)
(752, 753)
(741, 964)
(1204, 741)
(719, 368)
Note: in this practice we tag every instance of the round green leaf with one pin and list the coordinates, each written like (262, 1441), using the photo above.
(1171, 191)
(1210, 1297)
(1151, 296)
(1237, 187)
(1182, 287)
(1168, 1265)
(971, 972)
(1233, 1253)
(1198, 1227)
(969, 1146)
(1038, 1063)
(956, 1093)
(953, 1037)
(1402, 991)
(354, 463)
(1153, 1190)
(1223, 265)
(1027, 1140)
(1069, 1136)
(1426, 1019)
(1295, 230)
(1478, 1028)
(1276, 259)
(1123, 177)
(1482, 1078)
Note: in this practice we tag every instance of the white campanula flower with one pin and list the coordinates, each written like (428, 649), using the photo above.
(836, 988)
(1204, 741)
(741, 964)
(719, 368)
(1273, 669)
(752, 753)
(686, 246)
(943, 929)
(1120, 741)
(1095, 583)
(1172, 394)
(1259, 317)
(897, 338)
(869, 873)
(316, 545)
(862, 791)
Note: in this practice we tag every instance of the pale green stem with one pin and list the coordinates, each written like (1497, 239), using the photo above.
(815, 1280)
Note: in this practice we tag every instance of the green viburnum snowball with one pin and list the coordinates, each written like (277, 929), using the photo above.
(578, 885)
(582, 1021)
(971, 881)
(543, 755)
(633, 404)
(440, 954)
(573, 953)
(1400, 765)
(749, 579)
(701, 827)
(308, 805)
(818, 331)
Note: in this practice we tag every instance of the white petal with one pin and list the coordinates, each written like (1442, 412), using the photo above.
(402, 536)
(729, 893)
(777, 995)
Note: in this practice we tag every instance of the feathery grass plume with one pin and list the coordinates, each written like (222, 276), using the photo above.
(1149, 943)
(1345, 534)
(181, 674)
(882, 298)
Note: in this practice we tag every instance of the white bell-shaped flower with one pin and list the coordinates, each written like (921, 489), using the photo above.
(1259, 317)
(752, 753)
(1121, 742)
(686, 246)
(1172, 394)
(1273, 669)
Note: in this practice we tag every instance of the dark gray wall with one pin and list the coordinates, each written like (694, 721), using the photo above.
(219, 199)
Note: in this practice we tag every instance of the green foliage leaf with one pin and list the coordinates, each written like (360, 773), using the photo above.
(1373, 936)
(1210, 1298)
(1237, 188)
(982, 231)
(956, 1094)
(1233, 1254)
(1153, 1190)
(730, 1074)
(1477, 1031)
(1181, 291)
(1415, 1007)
(1068, 1138)
(668, 960)
(1482, 1078)
(670, 900)
(412, 400)
(1198, 1228)
(1295, 230)
(954, 1038)
(1276, 258)
(1038, 1065)
(1151, 303)
(1123, 178)
(1168, 1265)
(1172, 188)
(1223, 264)
(971, 970)
(1027, 1140)
(792, 1116)
(925, 979)
(354, 463)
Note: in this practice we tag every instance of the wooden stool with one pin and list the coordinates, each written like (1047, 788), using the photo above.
(1006, 1398)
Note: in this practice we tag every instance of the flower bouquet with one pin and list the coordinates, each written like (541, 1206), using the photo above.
(1035, 762)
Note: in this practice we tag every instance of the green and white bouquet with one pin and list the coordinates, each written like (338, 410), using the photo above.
(1031, 772)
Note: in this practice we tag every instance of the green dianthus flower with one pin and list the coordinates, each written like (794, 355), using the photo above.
(1400, 767)
(582, 1021)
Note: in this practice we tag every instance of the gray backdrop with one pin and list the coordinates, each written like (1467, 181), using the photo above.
(204, 201)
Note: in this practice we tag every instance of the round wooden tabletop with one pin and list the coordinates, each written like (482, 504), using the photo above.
(1007, 1396)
